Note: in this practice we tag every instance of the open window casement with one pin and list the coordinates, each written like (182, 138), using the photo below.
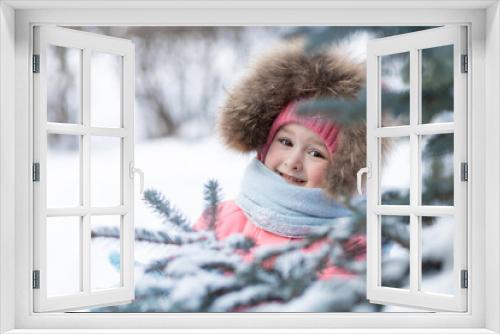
(94, 75)
(417, 168)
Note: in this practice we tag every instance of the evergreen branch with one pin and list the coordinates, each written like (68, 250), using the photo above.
(105, 232)
(212, 197)
(161, 205)
(206, 274)
(145, 235)
(244, 298)
(239, 242)
(157, 237)
(172, 238)
(342, 110)
(158, 266)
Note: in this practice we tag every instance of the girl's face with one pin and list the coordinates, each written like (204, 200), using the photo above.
(299, 156)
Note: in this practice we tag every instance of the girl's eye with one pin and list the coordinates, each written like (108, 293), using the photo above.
(317, 154)
(285, 141)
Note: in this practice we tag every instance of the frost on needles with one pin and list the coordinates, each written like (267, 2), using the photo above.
(199, 273)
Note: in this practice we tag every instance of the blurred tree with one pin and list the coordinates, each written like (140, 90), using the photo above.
(182, 72)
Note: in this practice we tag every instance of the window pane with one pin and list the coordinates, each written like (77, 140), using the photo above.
(437, 169)
(437, 254)
(395, 89)
(63, 171)
(437, 84)
(63, 255)
(395, 171)
(395, 250)
(105, 252)
(63, 84)
(105, 169)
(106, 90)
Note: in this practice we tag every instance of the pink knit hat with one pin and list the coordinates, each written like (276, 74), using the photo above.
(326, 129)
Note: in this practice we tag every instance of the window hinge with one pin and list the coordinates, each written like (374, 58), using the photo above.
(36, 279)
(464, 172)
(36, 172)
(36, 63)
(464, 279)
(465, 64)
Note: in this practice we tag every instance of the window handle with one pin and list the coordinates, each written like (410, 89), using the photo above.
(364, 170)
(133, 171)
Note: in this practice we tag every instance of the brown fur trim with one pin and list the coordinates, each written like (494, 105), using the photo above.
(287, 73)
(349, 157)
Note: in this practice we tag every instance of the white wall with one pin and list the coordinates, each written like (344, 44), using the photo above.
(7, 165)
(492, 157)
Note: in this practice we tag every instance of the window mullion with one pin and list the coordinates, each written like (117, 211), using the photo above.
(415, 271)
(420, 129)
(419, 210)
(86, 171)
(79, 129)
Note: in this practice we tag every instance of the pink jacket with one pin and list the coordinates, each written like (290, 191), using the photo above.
(231, 219)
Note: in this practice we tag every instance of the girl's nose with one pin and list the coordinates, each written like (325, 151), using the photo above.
(294, 160)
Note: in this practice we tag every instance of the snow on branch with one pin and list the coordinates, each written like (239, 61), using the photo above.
(161, 205)
(212, 197)
(200, 273)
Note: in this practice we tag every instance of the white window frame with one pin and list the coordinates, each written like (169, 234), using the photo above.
(16, 19)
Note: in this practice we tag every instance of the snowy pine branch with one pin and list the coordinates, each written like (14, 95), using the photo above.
(200, 273)
(212, 197)
(105, 232)
(160, 204)
(159, 237)
(239, 242)
(151, 236)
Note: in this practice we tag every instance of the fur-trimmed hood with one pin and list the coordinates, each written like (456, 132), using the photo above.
(288, 73)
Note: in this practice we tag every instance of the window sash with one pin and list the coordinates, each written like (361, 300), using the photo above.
(45, 36)
(413, 43)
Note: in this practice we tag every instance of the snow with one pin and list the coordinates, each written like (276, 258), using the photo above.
(322, 295)
(176, 167)
(355, 45)
(230, 301)
(187, 294)
(396, 167)
(180, 168)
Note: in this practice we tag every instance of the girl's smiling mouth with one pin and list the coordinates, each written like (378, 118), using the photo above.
(291, 179)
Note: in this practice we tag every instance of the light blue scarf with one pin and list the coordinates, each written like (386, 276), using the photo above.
(282, 208)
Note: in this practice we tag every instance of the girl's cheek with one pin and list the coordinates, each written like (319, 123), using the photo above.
(318, 176)
(324, 173)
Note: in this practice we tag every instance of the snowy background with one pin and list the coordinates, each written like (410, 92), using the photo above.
(182, 77)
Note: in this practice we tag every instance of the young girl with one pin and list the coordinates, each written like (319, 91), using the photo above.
(304, 165)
